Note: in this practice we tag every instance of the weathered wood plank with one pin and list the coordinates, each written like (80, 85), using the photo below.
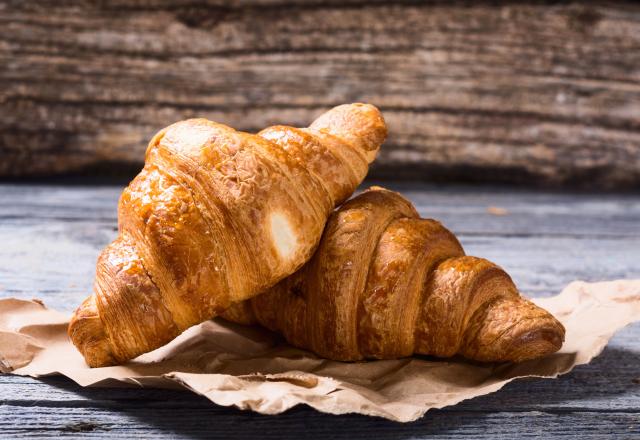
(462, 208)
(51, 237)
(535, 93)
(208, 423)
(56, 263)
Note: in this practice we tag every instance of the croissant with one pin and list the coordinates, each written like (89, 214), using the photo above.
(215, 217)
(385, 283)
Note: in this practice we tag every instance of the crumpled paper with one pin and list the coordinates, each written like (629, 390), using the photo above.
(252, 368)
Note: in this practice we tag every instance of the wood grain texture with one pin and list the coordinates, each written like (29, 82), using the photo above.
(204, 423)
(542, 92)
(51, 236)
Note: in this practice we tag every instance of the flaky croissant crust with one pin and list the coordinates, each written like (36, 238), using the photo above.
(385, 283)
(215, 217)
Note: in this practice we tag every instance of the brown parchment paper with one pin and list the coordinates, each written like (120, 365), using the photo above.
(253, 369)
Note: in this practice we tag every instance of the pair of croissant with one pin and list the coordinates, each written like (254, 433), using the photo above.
(218, 216)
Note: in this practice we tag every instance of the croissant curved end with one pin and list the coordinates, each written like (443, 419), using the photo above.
(526, 343)
(536, 343)
(88, 333)
(360, 124)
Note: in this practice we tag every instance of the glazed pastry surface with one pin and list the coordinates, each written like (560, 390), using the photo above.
(385, 283)
(215, 217)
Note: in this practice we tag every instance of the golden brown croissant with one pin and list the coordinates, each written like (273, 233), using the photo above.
(215, 217)
(385, 283)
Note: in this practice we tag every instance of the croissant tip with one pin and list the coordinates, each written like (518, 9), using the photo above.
(88, 334)
(537, 343)
(360, 124)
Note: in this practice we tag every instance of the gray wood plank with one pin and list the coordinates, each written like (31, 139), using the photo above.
(50, 237)
(56, 261)
(462, 208)
(142, 422)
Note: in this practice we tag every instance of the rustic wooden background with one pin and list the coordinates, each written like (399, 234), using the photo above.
(539, 92)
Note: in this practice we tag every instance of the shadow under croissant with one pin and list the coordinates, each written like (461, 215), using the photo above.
(188, 415)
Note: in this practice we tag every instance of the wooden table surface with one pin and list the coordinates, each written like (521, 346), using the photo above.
(50, 236)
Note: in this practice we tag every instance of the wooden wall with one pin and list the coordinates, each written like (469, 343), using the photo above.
(544, 93)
